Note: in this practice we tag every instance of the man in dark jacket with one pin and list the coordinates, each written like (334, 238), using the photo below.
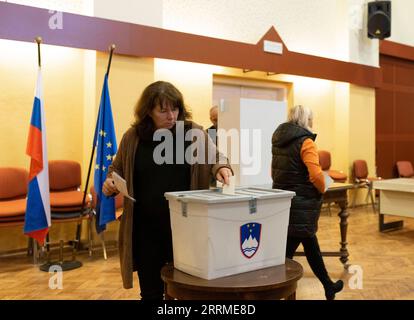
(212, 131)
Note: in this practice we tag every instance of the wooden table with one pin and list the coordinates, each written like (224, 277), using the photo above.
(265, 284)
(338, 193)
(396, 198)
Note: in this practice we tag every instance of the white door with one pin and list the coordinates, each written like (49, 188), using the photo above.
(259, 118)
(249, 116)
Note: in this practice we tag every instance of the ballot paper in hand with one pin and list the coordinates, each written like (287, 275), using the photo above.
(328, 180)
(230, 188)
(120, 184)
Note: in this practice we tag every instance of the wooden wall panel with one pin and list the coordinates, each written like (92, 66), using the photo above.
(394, 113)
(384, 112)
(385, 158)
(387, 72)
(404, 150)
(404, 113)
(404, 74)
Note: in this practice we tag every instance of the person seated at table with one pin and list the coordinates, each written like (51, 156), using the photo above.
(295, 167)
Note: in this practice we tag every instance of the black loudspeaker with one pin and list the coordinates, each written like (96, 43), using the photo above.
(379, 19)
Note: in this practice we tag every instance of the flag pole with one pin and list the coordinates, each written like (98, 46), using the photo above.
(35, 245)
(111, 51)
(39, 41)
(78, 230)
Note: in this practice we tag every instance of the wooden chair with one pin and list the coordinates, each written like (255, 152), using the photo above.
(362, 180)
(405, 169)
(13, 193)
(325, 162)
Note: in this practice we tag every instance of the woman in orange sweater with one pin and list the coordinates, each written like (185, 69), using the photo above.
(295, 167)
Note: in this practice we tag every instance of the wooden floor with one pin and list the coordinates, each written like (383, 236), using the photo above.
(386, 259)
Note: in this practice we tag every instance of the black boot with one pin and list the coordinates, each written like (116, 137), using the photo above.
(333, 288)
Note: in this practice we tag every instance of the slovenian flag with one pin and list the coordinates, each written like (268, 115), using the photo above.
(37, 220)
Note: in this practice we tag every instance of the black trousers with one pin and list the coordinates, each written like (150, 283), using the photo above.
(152, 249)
(313, 255)
(150, 282)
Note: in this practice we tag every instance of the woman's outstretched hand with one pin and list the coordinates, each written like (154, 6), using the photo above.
(223, 175)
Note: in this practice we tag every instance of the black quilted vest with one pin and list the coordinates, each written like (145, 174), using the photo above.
(290, 173)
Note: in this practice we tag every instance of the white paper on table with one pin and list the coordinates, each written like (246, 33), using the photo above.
(230, 188)
(120, 184)
(328, 180)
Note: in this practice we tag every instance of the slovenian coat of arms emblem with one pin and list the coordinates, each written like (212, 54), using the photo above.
(250, 238)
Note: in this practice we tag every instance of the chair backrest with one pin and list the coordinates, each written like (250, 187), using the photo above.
(64, 175)
(324, 159)
(405, 169)
(13, 183)
(119, 199)
(360, 169)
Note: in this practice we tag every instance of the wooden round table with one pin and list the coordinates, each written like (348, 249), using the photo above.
(265, 284)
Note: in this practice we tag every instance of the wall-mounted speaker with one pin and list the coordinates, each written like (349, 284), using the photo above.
(379, 19)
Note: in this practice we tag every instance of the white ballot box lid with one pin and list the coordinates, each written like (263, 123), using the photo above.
(216, 196)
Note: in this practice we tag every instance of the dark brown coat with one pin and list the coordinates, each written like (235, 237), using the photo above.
(124, 166)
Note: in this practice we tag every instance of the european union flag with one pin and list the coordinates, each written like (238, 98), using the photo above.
(105, 142)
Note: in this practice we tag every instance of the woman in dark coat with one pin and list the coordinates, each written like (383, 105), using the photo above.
(145, 243)
(295, 167)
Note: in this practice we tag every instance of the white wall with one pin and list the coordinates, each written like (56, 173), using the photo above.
(402, 22)
(135, 11)
(313, 27)
(361, 49)
(72, 6)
